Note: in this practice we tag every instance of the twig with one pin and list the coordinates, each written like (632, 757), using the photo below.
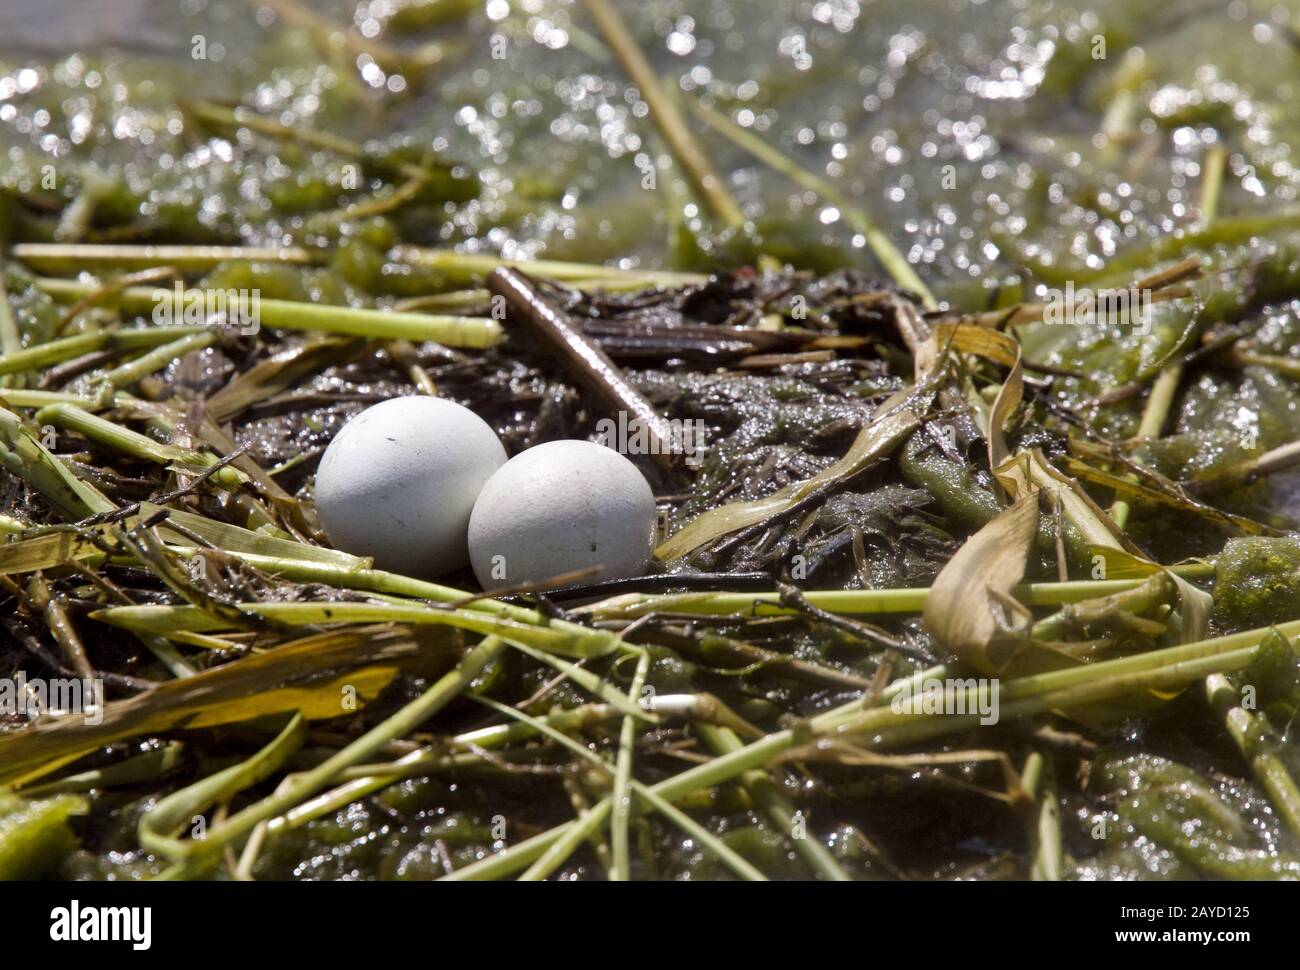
(588, 364)
(793, 597)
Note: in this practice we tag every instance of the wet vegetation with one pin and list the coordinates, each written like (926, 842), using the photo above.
(885, 265)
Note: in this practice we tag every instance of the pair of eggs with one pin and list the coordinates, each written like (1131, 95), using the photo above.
(423, 486)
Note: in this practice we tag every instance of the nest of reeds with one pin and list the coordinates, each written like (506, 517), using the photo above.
(876, 485)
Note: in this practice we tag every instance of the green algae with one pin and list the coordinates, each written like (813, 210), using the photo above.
(1257, 582)
(1180, 810)
(35, 836)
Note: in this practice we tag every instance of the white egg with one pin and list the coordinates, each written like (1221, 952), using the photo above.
(559, 507)
(399, 481)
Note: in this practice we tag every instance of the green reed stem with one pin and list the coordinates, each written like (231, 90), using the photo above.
(452, 331)
(622, 812)
(74, 257)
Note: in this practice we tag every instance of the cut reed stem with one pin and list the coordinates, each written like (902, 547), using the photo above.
(75, 257)
(453, 331)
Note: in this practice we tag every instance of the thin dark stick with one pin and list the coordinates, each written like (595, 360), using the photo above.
(793, 597)
(589, 365)
(669, 582)
(558, 581)
(119, 515)
(684, 640)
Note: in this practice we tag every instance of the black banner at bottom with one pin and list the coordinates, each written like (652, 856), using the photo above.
(135, 921)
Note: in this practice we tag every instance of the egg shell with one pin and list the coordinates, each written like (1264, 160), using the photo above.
(559, 507)
(399, 481)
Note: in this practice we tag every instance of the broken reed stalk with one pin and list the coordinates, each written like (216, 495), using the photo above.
(1160, 287)
(153, 274)
(539, 640)
(74, 257)
(103, 431)
(587, 823)
(474, 298)
(860, 602)
(394, 584)
(621, 794)
(880, 726)
(583, 359)
(466, 267)
(11, 341)
(361, 780)
(1154, 415)
(452, 331)
(65, 348)
(1044, 821)
(1117, 122)
(1287, 366)
(383, 201)
(577, 793)
(1213, 168)
(707, 183)
(894, 262)
(158, 828)
(245, 117)
(1274, 460)
(728, 652)
(631, 606)
(132, 771)
(767, 796)
(22, 454)
(144, 365)
(190, 855)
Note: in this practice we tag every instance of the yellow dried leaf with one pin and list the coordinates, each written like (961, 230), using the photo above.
(966, 599)
(899, 418)
(307, 675)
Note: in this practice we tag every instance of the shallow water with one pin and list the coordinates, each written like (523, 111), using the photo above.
(977, 134)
